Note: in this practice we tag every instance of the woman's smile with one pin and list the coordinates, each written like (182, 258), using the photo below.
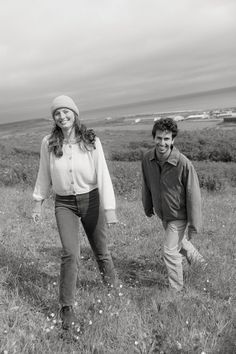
(64, 118)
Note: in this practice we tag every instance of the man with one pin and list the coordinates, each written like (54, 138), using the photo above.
(171, 190)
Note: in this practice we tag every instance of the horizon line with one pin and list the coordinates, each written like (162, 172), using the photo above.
(165, 98)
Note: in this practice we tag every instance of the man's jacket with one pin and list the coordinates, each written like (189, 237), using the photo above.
(171, 190)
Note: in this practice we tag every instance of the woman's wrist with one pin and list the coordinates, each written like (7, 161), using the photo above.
(38, 205)
(110, 215)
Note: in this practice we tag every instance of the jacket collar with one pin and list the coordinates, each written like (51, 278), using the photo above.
(172, 159)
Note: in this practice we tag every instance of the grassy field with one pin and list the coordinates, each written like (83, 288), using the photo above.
(141, 315)
(114, 134)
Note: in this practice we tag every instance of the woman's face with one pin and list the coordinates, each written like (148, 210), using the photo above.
(64, 118)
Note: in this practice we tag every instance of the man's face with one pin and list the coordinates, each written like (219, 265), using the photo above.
(164, 142)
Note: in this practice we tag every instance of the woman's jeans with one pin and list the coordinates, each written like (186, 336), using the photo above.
(175, 242)
(68, 209)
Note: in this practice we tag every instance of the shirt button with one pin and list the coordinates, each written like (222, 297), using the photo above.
(72, 182)
(70, 170)
(69, 146)
(70, 158)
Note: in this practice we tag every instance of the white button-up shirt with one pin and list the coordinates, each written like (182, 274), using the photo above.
(78, 171)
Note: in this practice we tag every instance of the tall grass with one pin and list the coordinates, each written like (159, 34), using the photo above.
(200, 145)
(141, 315)
(212, 152)
(20, 168)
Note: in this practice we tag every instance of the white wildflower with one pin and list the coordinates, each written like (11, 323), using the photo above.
(179, 345)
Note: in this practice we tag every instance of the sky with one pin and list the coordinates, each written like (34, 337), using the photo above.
(111, 52)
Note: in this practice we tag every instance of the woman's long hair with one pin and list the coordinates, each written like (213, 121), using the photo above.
(85, 137)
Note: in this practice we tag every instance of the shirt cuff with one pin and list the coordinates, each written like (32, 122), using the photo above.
(110, 216)
(37, 198)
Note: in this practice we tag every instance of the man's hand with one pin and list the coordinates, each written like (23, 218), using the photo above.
(191, 233)
(110, 224)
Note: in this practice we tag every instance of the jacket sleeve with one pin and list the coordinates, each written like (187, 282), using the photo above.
(43, 181)
(146, 193)
(105, 187)
(193, 201)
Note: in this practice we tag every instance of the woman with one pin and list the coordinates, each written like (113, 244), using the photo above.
(73, 163)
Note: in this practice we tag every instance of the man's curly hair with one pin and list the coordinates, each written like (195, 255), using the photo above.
(165, 124)
(84, 136)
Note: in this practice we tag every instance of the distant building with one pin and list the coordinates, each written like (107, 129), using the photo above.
(230, 117)
(137, 120)
(108, 118)
(178, 118)
(156, 119)
(203, 115)
(224, 114)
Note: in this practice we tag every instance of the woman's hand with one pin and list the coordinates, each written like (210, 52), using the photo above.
(37, 212)
(36, 215)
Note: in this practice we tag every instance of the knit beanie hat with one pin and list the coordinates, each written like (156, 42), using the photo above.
(63, 102)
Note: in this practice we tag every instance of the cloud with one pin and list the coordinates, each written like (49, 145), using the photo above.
(114, 51)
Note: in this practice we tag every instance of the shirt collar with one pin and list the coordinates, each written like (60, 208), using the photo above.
(172, 159)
